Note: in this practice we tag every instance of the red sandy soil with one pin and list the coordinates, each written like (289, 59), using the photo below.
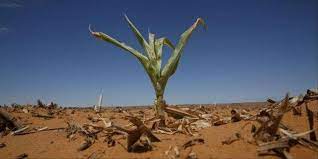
(54, 144)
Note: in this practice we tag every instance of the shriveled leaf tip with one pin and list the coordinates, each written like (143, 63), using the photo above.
(96, 34)
(202, 22)
(89, 28)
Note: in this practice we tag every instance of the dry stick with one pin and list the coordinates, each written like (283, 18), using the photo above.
(310, 116)
(41, 129)
(279, 147)
(282, 111)
(31, 132)
(308, 144)
(20, 130)
(295, 136)
(273, 129)
(178, 112)
(265, 147)
(301, 140)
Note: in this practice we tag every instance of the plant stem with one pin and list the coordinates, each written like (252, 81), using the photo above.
(159, 105)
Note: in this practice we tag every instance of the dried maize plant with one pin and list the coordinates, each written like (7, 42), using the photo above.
(151, 59)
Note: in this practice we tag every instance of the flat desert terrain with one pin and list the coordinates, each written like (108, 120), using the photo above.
(62, 132)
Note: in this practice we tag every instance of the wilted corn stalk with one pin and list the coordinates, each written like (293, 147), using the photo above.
(152, 59)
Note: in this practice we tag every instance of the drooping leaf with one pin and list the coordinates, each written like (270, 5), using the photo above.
(172, 64)
(160, 43)
(143, 59)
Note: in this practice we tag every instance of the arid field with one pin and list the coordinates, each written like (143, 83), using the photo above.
(54, 132)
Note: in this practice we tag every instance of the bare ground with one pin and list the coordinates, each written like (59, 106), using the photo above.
(54, 144)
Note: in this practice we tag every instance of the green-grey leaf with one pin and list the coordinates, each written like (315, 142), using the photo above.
(143, 59)
(152, 46)
(160, 43)
(173, 61)
(139, 37)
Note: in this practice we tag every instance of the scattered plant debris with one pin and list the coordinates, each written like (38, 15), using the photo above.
(267, 131)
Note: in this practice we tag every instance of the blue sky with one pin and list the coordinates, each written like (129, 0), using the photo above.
(251, 50)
